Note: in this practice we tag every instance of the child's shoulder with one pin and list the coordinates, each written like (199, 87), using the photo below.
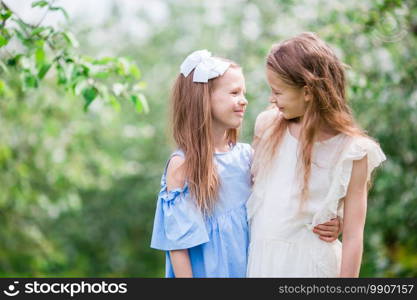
(175, 176)
(244, 147)
(244, 151)
(265, 119)
(177, 153)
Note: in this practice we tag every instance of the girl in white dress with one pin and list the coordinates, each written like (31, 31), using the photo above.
(312, 163)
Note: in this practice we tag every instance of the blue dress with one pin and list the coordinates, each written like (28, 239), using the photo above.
(217, 244)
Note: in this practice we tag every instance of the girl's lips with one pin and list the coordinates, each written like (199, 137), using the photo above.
(240, 112)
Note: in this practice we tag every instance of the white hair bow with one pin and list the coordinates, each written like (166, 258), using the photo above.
(206, 67)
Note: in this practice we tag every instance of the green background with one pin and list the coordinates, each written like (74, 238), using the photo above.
(78, 189)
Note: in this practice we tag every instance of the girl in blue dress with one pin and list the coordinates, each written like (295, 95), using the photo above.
(200, 218)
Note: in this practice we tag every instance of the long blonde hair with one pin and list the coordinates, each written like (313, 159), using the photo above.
(191, 124)
(306, 61)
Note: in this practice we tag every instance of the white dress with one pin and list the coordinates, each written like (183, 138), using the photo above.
(282, 243)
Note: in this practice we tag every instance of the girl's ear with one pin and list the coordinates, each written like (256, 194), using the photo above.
(307, 94)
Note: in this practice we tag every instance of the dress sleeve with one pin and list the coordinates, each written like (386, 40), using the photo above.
(248, 153)
(357, 149)
(178, 223)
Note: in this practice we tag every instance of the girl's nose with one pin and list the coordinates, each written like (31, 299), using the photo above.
(243, 101)
(272, 99)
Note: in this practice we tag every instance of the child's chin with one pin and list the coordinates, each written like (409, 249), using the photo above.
(235, 126)
(288, 117)
(285, 116)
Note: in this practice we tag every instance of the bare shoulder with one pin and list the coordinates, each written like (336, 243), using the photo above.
(264, 120)
(175, 173)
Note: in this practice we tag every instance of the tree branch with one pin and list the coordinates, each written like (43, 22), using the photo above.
(46, 12)
(3, 24)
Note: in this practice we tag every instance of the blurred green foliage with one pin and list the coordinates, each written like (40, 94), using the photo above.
(44, 49)
(78, 189)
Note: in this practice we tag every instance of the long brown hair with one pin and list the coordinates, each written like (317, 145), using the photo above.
(191, 119)
(306, 61)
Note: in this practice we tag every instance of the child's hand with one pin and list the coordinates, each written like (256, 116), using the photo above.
(329, 231)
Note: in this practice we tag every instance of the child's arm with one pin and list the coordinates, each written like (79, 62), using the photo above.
(181, 263)
(175, 179)
(354, 219)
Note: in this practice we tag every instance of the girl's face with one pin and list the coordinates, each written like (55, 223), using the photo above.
(228, 102)
(291, 101)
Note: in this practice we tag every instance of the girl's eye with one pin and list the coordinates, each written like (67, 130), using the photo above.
(235, 93)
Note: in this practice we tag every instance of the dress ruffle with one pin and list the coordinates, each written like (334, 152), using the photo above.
(358, 148)
(178, 223)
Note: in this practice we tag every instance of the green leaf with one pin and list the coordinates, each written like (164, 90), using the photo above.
(102, 90)
(102, 75)
(89, 94)
(122, 66)
(39, 57)
(79, 86)
(30, 81)
(62, 78)
(113, 101)
(39, 43)
(2, 87)
(41, 29)
(41, 3)
(138, 104)
(70, 38)
(144, 102)
(103, 61)
(14, 60)
(44, 70)
(23, 26)
(4, 90)
(134, 70)
(3, 41)
(21, 36)
(64, 12)
(5, 15)
(37, 30)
